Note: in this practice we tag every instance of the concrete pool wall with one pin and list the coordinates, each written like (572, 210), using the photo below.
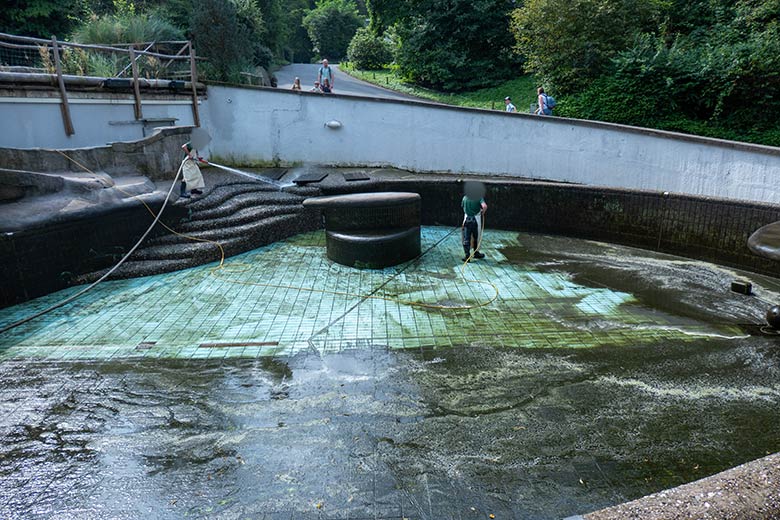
(260, 124)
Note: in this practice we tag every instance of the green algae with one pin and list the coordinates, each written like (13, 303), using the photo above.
(553, 292)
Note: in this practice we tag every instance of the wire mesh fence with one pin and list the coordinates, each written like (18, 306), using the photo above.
(153, 60)
(152, 65)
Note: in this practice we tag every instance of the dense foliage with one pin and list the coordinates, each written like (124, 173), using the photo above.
(331, 25)
(455, 45)
(673, 64)
(567, 43)
(702, 66)
(367, 51)
(123, 28)
(272, 28)
(42, 18)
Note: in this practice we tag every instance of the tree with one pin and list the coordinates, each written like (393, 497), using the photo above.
(41, 18)
(383, 14)
(367, 51)
(456, 44)
(220, 37)
(331, 25)
(568, 43)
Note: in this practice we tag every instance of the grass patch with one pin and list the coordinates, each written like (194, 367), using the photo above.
(522, 90)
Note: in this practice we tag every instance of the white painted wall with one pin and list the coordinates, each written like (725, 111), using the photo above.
(251, 124)
(33, 122)
(264, 124)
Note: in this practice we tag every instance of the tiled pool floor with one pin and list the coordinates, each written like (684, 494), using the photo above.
(599, 374)
(280, 299)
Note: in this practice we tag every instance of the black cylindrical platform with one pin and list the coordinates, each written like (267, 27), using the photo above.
(371, 230)
(373, 249)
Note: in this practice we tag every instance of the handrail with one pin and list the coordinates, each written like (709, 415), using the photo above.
(43, 40)
(44, 47)
(121, 47)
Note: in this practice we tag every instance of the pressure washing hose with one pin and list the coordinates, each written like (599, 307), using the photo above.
(110, 271)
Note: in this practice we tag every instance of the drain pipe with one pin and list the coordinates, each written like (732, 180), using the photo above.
(664, 219)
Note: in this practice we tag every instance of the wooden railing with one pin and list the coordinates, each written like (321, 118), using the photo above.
(22, 56)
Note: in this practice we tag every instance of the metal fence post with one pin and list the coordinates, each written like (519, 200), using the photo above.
(64, 106)
(136, 87)
(193, 82)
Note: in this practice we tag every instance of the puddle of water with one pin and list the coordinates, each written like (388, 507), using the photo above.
(425, 434)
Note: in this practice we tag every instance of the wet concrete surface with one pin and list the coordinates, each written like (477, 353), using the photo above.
(374, 433)
(618, 373)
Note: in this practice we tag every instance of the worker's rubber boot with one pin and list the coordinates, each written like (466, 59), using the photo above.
(183, 192)
(466, 253)
(478, 255)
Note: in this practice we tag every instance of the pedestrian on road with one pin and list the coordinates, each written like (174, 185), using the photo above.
(326, 73)
(316, 88)
(509, 106)
(297, 84)
(326, 87)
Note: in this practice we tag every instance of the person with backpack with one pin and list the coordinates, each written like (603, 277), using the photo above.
(546, 103)
(326, 73)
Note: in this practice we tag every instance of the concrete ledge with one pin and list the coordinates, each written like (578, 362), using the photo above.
(157, 156)
(751, 490)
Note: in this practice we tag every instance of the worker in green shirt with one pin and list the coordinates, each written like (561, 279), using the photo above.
(474, 207)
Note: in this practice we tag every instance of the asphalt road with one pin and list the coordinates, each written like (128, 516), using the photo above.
(343, 83)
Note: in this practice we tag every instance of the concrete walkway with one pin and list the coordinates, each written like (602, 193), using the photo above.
(344, 83)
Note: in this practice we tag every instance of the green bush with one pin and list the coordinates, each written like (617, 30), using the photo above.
(81, 62)
(457, 45)
(124, 28)
(222, 38)
(369, 52)
(568, 43)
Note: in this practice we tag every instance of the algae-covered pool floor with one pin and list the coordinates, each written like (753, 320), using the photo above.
(599, 374)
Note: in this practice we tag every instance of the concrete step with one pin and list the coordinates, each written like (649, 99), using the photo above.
(131, 269)
(244, 200)
(303, 191)
(245, 215)
(222, 193)
(220, 230)
(198, 252)
(184, 256)
(132, 186)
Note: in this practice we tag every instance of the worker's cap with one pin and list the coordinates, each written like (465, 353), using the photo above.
(507, 98)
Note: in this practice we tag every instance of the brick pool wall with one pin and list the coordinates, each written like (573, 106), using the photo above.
(714, 230)
(41, 261)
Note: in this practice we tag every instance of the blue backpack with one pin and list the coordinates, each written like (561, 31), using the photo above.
(550, 101)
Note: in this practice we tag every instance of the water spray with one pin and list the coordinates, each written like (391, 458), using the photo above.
(246, 174)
